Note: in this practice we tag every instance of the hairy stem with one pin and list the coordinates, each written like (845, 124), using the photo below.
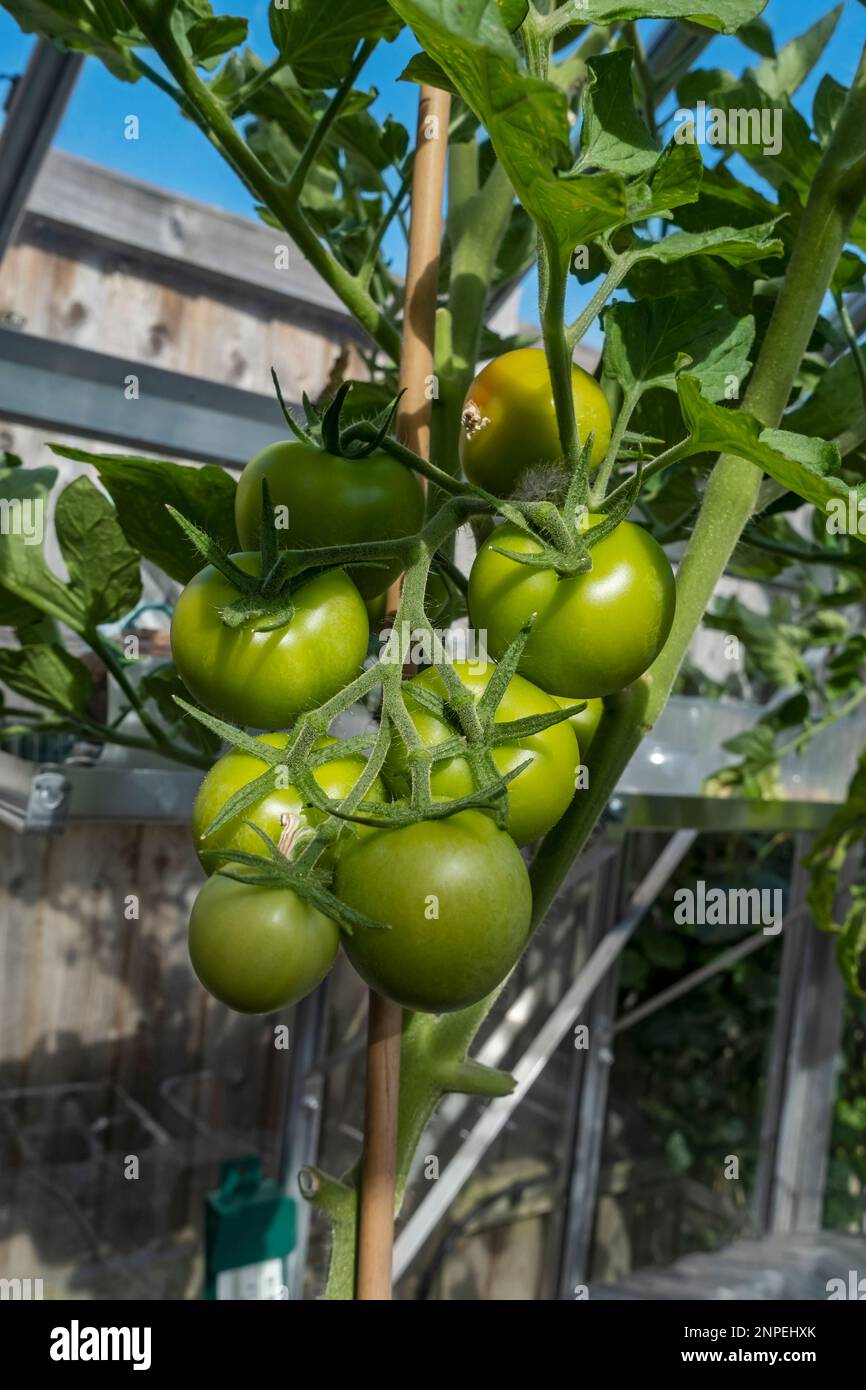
(215, 121)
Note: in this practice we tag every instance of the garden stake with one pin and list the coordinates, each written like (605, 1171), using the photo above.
(378, 1164)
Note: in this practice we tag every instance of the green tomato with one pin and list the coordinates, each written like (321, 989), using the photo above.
(377, 609)
(332, 501)
(586, 723)
(236, 769)
(258, 948)
(266, 679)
(455, 901)
(509, 420)
(593, 634)
(539, 795)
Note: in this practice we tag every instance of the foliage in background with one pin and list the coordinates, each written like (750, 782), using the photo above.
(689, 1080)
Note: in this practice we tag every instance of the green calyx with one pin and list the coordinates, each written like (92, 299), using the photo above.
(563, 533)
(324, 429)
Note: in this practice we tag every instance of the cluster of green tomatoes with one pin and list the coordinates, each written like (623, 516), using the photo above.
(450, 895)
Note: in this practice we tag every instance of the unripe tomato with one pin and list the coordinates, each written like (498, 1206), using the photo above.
(593, 634)
(539, 795)
(236, 769)
(258, 948)
(332, 501)
(585, 723)
(455, 899)
(376, 610)
(266, 679)
(509, 420)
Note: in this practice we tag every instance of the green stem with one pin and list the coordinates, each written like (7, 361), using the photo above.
(558, 351)
(622, 716)
(371, 257)
(853, 342)
(477, 222)
(675, 454)
(602, 477)
(256, 83)
(805, 737)
(537, 41)
(619, 268)
(114, 664)
(845, 560)
(325, 123)
(733, 486)
(214, 120)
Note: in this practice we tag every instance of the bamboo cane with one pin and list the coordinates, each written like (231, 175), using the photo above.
(378, 1164)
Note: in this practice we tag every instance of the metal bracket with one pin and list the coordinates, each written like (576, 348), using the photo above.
(48, 803)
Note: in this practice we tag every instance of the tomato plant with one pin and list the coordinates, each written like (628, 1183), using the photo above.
(713, 294)
(542, 791)
(509, 424)
(261, 677)
(237, 769)
(332, 501)
(454, 900)
(594, 633)
(258, 948)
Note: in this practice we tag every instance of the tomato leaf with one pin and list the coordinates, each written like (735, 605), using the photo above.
(809, 467)
(785, 74)
(835, 404)
(47, 674)
(100, 27)
(513, 13)
(758, 36)
(614, 135)
(736, 245)
(826, 860)
(742, 118)
(421, 68)
(674, 179)
(851, 947)
(319, 48)
(161, 686)
(526, 118)
(645, 339)
(725, 16)
(773, 648)
(141, 488)
(23, 571)
(103, 567)
(212, 36)
(827, 107)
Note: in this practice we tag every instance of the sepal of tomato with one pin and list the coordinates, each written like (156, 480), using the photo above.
(237, 769)
(540, 794)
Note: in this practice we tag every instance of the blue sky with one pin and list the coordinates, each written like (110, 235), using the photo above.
(171, 152)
